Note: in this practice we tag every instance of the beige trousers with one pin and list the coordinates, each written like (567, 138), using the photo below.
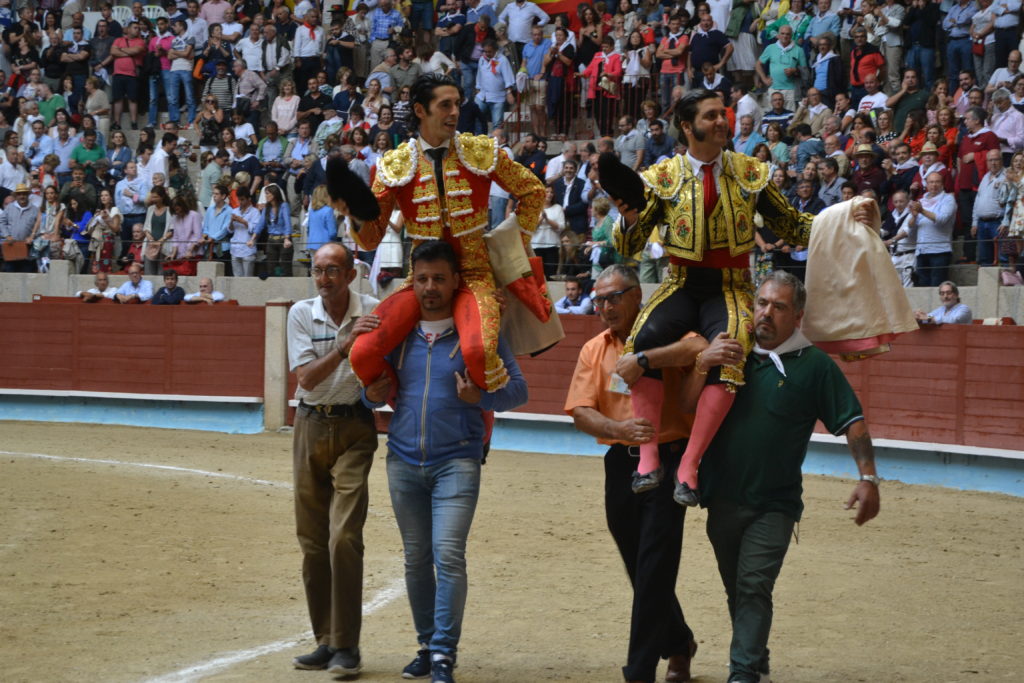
(332, 459)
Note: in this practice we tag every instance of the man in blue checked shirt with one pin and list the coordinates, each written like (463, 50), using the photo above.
(385, 23)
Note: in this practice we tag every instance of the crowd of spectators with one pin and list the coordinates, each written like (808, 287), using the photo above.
(919, 106)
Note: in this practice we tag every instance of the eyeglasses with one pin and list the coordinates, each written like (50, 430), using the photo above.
(614, 298)
(329, 271)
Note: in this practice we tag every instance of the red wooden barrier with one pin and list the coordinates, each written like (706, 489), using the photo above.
(194, 350)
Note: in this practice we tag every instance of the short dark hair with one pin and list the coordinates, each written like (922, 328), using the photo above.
(242, 192)
(435, 250)
(688, 104)
(423, 93)
(831, 163)
(170, 271)
(169, 138)
(802, 129)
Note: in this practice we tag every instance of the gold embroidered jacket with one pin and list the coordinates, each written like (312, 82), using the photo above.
(406, 175)
(675, 199)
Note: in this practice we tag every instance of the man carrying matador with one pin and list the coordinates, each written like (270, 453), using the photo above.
(705, 201)
(441, 182)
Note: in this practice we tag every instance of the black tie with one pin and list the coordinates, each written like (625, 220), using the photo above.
(437, 154)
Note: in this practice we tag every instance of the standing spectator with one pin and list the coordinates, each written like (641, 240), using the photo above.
(323, 224)
(277, 63)
(910, 97)
(434, 490)
(170, 294)
(534, 53)
(211, 175)
(187, 226)
(899, 238)
(157, 228)
(972, 164)
(559, 69)
(308, 46)
(159, 44)
(753, 502)
(223, 86)
(545, 238)
(520, 17)
(278, 222)
(532, 156)
(983, 38)
(100, 60)
(405, 72)
(217, 226)
(824, 23)
(181, 54)
(1007, 29)
(671, 51)
(129, 196)
(250, 49)
(17, 221)
(246, 224)
(889, 26)
(932, 217)
(988, 209)
(198, 28)
(333, 448)
(76, 58)
(1008, 124)
(708, 44)
(569, 193)
(285, 108)
(231, 30)
(314, 106)
(217, 51)
(604, 78)
(214, 11)
(922, 21)
(630, 144)
(270, 154)
(494, 84)
(957, 26)
(385, 24)
(251, 87)
(865, 61)
(784, 60)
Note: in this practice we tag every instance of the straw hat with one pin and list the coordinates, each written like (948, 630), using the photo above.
(864, 149)
(22, 188)
(928, 148)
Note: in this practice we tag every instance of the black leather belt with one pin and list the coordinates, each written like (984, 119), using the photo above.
(336, 410)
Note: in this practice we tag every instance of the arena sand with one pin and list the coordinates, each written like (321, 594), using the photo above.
(112, 572)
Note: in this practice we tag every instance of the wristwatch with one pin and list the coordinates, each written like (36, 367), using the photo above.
(641, 360)
(872, 478)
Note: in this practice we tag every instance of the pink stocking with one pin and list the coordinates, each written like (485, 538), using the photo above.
(712, 407)
(647, 396)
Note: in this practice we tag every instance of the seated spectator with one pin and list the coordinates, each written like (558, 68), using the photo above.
(102, 289)
(747, 139)
(78, 189)
(868, 175)
(323, 226)
(951, 310)
(206, 294)
(170, 294)
(572, 259)
(806, 201)
(270, 154)
(133, 253)
(137, 290)
(574, 301)
(659, 144)
(246, 162)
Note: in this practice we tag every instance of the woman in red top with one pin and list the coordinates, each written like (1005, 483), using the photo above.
(935, 135)
(946, 118)
(605, 82)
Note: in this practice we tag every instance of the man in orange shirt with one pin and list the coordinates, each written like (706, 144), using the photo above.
(647, 527)
(865, 60)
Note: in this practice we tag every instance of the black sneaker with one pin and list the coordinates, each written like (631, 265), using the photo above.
(419, 667)
(441, 671)
(315, 660)
(345, 661)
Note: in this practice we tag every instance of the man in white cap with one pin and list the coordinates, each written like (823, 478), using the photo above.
(16, 223)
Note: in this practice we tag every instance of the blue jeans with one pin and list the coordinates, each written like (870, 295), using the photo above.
(172, 79)
(468, 70)
(958, 58)
(922, 59)
(987, 231)
(496, 210)
(434, 508)
(493, 112)
(154, 96)
(667, 82)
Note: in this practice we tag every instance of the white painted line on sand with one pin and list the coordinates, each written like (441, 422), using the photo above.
(145, 465)
(230, 659)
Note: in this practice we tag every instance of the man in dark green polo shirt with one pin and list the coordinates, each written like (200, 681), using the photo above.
(750, 479)
(87, 153)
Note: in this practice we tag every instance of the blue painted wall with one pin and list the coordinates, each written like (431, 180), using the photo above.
(232, 418)
(934, 468)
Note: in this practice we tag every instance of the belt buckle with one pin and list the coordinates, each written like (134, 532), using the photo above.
(633, 451)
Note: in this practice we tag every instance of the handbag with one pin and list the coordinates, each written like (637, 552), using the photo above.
(978, 47)
(608, 84)
(197, 71)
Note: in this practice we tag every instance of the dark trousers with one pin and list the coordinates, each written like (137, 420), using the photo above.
(965, 206)
(1006, 42)
(933, 269)
(648, 530)
(749, 547)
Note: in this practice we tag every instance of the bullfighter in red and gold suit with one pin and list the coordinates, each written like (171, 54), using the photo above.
(441, 182)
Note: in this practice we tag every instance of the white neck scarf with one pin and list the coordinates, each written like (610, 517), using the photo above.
(795, 342)
(909, 163)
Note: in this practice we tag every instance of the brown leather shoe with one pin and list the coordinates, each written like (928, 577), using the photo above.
(679, 665)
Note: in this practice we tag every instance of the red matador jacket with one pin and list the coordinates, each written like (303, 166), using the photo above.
(405, 176)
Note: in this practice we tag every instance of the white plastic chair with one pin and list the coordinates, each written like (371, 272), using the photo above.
(153, 12)
(121, 14)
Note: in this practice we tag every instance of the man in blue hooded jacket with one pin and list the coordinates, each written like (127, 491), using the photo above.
(435, 447)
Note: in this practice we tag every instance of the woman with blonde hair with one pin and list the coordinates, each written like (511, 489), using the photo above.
(1012, 228)
(284, 110)
(323, 228)
(374, 100)
(601, 237)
